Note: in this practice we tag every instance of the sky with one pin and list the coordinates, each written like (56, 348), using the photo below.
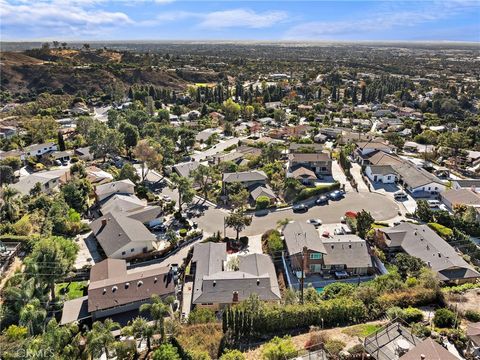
(96, 20)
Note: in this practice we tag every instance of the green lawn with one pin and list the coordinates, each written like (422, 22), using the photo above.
(361, 330)
(75, 289)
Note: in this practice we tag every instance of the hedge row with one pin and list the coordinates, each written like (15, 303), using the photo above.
(321, 189)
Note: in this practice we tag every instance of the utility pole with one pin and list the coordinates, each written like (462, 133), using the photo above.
(302, 279)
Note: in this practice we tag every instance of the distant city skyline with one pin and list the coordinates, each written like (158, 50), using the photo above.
(103, 20)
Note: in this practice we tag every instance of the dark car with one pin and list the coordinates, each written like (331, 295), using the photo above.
(335, 195)
(322, 200)
(300, 208)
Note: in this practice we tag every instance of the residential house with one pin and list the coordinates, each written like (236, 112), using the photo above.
(466, 184)
(324, 256)
(462, 196)
(49, 181)
(381, 173)
(217, 285)
(417, 181)
(38, 150)
(248, 179)
(11, 153)
(98, 176)
(84, 153)
(424, 243)
(184, 169)
(308, 167)
(473, 334)
(239, 156)
(126, 187)
(396, 342)
(115, 290)
(204, 135)
(365, 148)
(418, 148)
(7, 132)
(297, 148)
(63, 156)
(121, 236)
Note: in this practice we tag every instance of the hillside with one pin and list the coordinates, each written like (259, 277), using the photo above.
(71, 71)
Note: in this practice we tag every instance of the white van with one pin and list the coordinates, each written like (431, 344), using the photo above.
(433, 203)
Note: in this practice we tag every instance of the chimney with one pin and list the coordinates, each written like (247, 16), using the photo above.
(104, 222)
(235, 297)
(422, 357)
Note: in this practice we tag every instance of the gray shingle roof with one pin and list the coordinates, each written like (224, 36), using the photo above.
(116, 187)
(262, 191)
(422, 242)
(118, 231)
(299, 234)
(213, 284)
(347, 250)
(300, 157)
(184, 169)
(382, 169)
(245, 176)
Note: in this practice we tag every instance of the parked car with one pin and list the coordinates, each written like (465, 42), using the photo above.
(315, 222)
(433, 203)
(300, 208)
(335, 195)
(400, 196)
(322, 200)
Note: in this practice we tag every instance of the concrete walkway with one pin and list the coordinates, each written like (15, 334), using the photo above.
(339, 175)
(356, 172)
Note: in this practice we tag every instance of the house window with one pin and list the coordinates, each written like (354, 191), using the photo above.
(123, 253)
(132, 250)
(388, 177)
(315, 268)
(315, 256)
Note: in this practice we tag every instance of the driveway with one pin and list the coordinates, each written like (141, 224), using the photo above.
(339, 175)
(356, 172)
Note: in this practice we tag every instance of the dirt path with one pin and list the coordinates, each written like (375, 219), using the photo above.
(16, 264)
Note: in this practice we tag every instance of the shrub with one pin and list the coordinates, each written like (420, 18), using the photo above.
(244, 240)
(421, 330)
(183, 232)
(273, 241)
(357, 349)
(201, 316)
(262, 202)
(15, 332)
(279, 349)
(316, 341)
(412, 315)
(166, 352)
(334, 346)
(441, 230)
(473, 316)
(444, 318)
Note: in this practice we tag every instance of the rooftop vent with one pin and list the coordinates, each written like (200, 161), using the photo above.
(127, 285)
(140, 283)
(214, 283)
(114, 288)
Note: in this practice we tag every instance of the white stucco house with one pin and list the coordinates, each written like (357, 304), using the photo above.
(381, 173)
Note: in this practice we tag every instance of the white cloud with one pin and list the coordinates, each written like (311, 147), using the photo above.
(377, 21)
(242, 18)
(233, 18)
(61, 17)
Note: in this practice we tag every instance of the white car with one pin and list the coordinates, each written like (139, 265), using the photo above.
(315, 222)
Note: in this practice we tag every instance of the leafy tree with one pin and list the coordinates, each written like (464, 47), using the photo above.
(280, 116)
(166, 352)
(444, 318)
(262, 202)
(51, 260)
(41, 129)
(338, 289)
(76, 194)
(395, 139)
(10, 207)
(130, 135)
(423, 211)
(61, 141)
(104, 141)
(128, 171)
(364, 223)
(14, 162)
(85, 124)
(141, 330)
(239, 199)
(408, 266)
(100, 339)
(231, 110)
(238, 221)
(271, 153)
(157, 309)
(149, 155)
(6, 174)
(32, 316)
(184, 186)
(204, 177)
(279, 349)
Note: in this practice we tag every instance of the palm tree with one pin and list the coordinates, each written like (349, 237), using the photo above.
(100, 338)
(141, 330)
(32, 316)
(158, 309)
(10, 207)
